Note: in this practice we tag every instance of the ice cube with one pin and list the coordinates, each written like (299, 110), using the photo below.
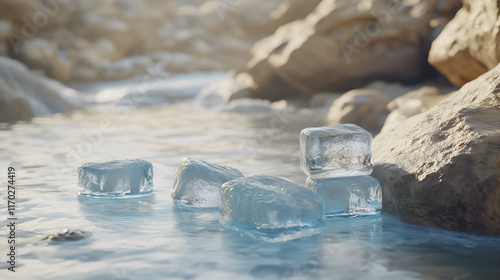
(335, 151)
(269, 208)
(198, 183)
(115, 178)
(357, 195)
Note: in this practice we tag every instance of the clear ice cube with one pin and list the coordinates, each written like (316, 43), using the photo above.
(353, 196)
(335, 151)
(269, 208)
(198, 183)
(115, 178)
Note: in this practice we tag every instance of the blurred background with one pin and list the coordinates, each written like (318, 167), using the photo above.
(87, 41)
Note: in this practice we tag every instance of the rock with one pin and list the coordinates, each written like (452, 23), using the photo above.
(67, 235)
(5, 28)
(393, 90)
(343, 45)
(469, 44)
(13, 106)
(4, 51)
(37, 52)
(411, 104)
(323, 99)
(15, 10)
(85, 74)
(44, 96)
(364, 107)
(441, 168)
(42, 54)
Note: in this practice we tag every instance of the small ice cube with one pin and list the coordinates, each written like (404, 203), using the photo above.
(270, 208)
(336, 151)
(198, 183)
(357, 196)
(115, 178)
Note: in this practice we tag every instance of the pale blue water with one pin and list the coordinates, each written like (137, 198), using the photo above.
(149, 238)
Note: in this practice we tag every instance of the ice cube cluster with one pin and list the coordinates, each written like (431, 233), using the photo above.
(115, 178)
(263, 207)
(337, 160)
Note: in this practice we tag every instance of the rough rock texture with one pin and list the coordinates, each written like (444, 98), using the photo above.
(94, 40)
(441, 168)
(345, 44)
(364, 107)
(411, 104)
(470, 43)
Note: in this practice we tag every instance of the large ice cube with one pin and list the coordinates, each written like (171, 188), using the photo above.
(198, 183)
(115, 178)
(336, 151)
(270, 208)
(357, 195)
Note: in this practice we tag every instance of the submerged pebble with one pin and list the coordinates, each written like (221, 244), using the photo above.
(67, 235)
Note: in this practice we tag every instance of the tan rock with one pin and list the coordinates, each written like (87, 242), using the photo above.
(411, 104)
(364, 107)
(45, 96)
(4, 51)
(469, 44)
(323, 99)
(13, 106)
(14, 10)
(85, 74)
(5, 29)
(42, 54)
(441, 168)
(60, 69)
(342, 45)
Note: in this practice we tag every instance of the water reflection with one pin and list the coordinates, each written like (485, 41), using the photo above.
(117, 214)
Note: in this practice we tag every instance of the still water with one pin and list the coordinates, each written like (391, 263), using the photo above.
(150, 238)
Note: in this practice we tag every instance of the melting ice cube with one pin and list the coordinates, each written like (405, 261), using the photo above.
(357, 195)
(198, 183)
(270, 208)
(335, 151)
(115, 178)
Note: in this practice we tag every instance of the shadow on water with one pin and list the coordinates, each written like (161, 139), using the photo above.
(439, 253)
(117, 214)
(266, 260)
(258, 258)
(196, 221)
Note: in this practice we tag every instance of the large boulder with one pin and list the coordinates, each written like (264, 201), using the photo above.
(470, 43)
(441, 168)
(343, 45)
